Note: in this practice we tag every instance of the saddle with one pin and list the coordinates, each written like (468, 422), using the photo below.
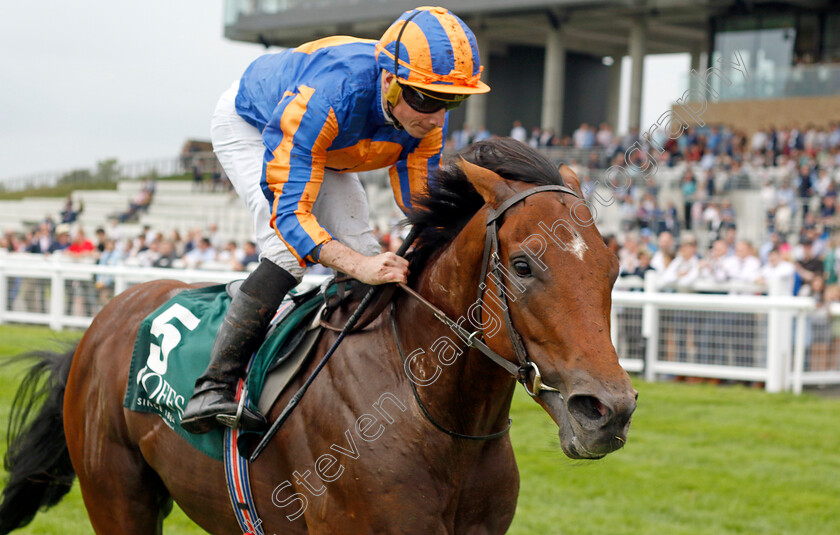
(338, 299)
(164, 366)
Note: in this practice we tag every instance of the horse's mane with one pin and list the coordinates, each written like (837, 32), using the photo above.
(452, 201)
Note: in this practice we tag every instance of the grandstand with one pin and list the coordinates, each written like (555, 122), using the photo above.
(559, 60)
(176, 207)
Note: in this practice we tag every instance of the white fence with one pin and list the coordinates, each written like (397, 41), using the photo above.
(50, 291)
(783, 342)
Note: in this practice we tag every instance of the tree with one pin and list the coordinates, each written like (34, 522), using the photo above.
(77, 176)
(108, 171)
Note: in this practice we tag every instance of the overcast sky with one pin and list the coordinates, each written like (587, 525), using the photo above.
(86, 80)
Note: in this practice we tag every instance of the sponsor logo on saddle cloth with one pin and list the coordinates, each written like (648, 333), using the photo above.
(160, 395)
(173, 348)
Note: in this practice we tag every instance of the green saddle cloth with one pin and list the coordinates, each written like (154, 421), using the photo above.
(173, 349)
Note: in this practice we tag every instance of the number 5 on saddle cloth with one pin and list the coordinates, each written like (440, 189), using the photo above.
(173, 348)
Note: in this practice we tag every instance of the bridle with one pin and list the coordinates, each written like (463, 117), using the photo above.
(492, 268)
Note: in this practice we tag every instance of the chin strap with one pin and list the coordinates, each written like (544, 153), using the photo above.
(396, 124)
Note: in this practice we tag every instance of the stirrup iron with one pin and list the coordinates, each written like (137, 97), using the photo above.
(233, 421)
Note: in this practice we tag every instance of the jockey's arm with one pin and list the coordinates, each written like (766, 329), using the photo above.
(380, 269)
(408, 178)
(295, 172)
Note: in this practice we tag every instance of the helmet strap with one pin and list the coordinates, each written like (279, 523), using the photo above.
(397, 48)
(394, 120)
(392, 96)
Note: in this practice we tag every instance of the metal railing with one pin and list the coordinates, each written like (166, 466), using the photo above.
(734, 337)
(52, 291)
(780, 82)
(781, 341)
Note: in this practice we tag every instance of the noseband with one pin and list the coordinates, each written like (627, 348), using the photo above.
(491, 266)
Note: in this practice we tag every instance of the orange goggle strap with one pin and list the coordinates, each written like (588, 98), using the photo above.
(430, 77)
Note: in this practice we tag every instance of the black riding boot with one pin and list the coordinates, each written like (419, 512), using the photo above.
(243, 328)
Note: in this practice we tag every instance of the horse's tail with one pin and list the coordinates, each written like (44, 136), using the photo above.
(37, 459)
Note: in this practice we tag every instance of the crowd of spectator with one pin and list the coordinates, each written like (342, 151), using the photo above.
(709, 147)
(732, 265)
(799, 171)
(111, 246)
(795, 170)
(150, 248)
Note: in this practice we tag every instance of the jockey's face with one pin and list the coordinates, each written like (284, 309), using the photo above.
(415, 123)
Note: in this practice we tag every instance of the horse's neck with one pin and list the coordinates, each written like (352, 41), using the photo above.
(472, 394)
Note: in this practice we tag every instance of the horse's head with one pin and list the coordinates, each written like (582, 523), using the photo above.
(558, 276)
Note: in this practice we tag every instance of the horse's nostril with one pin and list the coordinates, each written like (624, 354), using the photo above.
(587, 408)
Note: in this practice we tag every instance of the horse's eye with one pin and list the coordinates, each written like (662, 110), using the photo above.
(522, 268)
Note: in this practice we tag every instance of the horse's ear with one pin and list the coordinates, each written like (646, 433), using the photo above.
(570, 178)
(492, 187)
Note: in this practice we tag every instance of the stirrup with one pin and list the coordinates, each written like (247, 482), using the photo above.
(233, 421)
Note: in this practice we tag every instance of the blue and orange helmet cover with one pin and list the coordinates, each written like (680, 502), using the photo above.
(438, 52)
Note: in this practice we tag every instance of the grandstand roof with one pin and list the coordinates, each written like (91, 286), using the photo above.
(603, 26)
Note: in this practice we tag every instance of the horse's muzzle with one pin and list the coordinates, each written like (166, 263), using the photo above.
(592, 426)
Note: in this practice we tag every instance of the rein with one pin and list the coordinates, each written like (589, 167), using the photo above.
(492, 268)
(414, 387)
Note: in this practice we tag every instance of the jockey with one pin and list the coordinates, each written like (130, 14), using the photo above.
(291, 135)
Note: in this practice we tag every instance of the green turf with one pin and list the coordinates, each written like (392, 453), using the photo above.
(699, 460)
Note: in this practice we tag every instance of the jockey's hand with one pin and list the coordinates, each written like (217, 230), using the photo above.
(380, 269)
(383, 268)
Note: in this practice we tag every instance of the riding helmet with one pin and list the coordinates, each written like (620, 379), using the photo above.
(437, 52)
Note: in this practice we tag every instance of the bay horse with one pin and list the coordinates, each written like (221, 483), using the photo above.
(361, 453)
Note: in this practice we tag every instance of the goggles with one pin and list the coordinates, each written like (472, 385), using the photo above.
(424, 101)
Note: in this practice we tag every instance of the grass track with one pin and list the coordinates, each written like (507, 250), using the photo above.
(699, 460)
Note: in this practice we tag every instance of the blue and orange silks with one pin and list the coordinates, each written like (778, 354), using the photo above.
(319, 107)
